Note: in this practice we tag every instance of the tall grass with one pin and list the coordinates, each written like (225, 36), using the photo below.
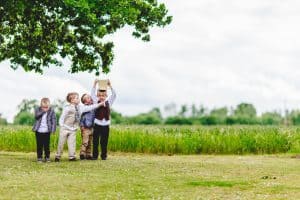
(175, 139)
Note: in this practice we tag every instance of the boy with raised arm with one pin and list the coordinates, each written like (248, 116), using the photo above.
(69, 122)
(102, 120)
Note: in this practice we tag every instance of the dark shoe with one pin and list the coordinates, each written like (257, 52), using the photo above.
(57, 160)
(89, 157)
(72, 159)
(82, 157)
(47, 160)
(103, 158)
(93, 158)
(39, 160)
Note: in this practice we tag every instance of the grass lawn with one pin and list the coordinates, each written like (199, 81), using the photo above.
(143, 176)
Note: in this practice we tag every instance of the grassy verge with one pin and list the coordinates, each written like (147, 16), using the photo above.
(175, 139)
(136, 176)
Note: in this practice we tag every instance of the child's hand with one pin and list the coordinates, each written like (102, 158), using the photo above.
(103, 104)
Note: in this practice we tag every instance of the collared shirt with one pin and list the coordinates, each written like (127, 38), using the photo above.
(44, 126)
(80, 109)
(111, 99)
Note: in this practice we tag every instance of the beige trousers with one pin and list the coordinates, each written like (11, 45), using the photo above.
(87, 138)
(70, 137)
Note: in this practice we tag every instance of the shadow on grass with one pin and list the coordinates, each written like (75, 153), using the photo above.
(216, 183)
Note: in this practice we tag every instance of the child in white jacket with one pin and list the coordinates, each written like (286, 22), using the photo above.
(69, 123)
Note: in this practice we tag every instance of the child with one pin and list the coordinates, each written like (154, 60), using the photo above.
(45, 123)
(86, 127)
(68, 122)
(102, 120)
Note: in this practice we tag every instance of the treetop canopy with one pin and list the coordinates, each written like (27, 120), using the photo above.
(35, 33)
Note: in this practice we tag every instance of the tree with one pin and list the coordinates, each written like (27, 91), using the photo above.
(151, 117)
(245, 110)
(116, 117)
(183, 111)
(194, 110)
(220, 114)
(294, 117)
(24, 118)
(37, 33)
(27, 105)
(58, 106)
(25, 114)
(245, 114)
(3, 121)
(271, 118)
(170, 109)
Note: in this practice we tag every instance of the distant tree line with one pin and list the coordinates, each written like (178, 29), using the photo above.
(243, 114)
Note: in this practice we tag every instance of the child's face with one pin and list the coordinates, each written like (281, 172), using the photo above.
(75, 100)
(88, 100)
(45, 106)
(102, 96)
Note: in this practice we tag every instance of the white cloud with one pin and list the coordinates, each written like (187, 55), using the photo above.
(214, 53)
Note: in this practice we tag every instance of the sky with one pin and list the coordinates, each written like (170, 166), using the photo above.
(215, 53)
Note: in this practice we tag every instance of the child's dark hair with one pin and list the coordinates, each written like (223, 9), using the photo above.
(82, 98)
(71, 95)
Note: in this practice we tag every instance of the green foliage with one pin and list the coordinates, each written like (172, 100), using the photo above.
(175, 139)
(27, 105)
(295, 117)
(116, 117)
(34, 33)
(220, 115)
(152, 117)
(24, 118)
(178, 120)
(271, 118)
(58, 105)
(245, 114)
(3, 121)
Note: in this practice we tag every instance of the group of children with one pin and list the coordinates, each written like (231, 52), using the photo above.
(92, 117)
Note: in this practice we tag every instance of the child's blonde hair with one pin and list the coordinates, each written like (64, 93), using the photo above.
(45, 101)
(71, 96)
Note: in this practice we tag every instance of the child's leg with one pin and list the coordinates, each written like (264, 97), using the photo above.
(89, 146)
(104, 141)
(63, 134)
(46, 145)
(96, 135)
(85, 140)
(72, 145)
(39, 145)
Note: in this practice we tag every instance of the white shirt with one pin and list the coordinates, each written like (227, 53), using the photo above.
(81, 109)
(43, 126)
(111, 99)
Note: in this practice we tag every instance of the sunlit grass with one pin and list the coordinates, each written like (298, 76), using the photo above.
(146, 176)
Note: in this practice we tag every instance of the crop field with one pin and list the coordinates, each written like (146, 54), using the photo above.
(175, 139)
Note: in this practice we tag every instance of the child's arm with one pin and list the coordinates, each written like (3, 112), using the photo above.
(111, 99)
(62, 117)
(53, 122)
(93, 92)
(87, 108)
(38, 113)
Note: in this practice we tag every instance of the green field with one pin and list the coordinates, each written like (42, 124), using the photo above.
(176, 139)
(152, 162)
(144, 176)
